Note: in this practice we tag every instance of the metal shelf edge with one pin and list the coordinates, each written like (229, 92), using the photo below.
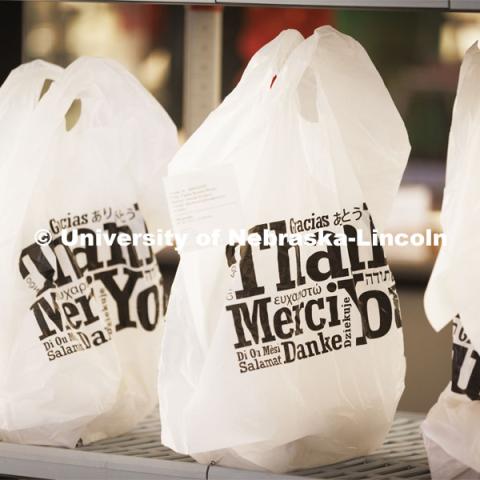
(32, 461)
(380, 4)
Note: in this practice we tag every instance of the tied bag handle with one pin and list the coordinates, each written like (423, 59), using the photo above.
(257, 77)
(263, 68)
(293, 69)
(29, 79)
(19, 96)
(79, 81)
(253, 87)
(354, 104)
(267, 62)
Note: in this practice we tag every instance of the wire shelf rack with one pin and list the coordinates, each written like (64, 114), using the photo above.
(139, 455)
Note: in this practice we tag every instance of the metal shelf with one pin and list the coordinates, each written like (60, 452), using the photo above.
(446, 5)
(465, 5)
(141, 456)
(374, 4)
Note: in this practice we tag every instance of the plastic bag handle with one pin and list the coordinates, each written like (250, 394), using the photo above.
(292, 71)
(369, 127)
(77, 82)
(264, 65)
(29, 78)
(274, 55)
(254, 85)
(465, 112)
(285, 90)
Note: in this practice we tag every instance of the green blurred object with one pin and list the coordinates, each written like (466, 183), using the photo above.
(397, 41)
(428, 119)
(393, 38)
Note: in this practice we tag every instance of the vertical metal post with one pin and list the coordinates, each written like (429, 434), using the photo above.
(203, 64)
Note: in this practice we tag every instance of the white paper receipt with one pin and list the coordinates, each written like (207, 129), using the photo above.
(204, 201)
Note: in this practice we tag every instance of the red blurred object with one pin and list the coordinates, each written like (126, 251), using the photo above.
(263, 24)
(205, 7)
(151, 18)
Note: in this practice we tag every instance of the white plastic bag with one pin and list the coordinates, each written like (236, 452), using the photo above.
(267, 362)
(452, 425)
(82, 324)
(451, 428)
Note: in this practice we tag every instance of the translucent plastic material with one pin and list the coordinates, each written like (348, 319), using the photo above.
(276, 357)
(452, 425)
(81, 324)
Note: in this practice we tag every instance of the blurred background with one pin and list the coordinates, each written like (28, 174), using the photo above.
(417, 53)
